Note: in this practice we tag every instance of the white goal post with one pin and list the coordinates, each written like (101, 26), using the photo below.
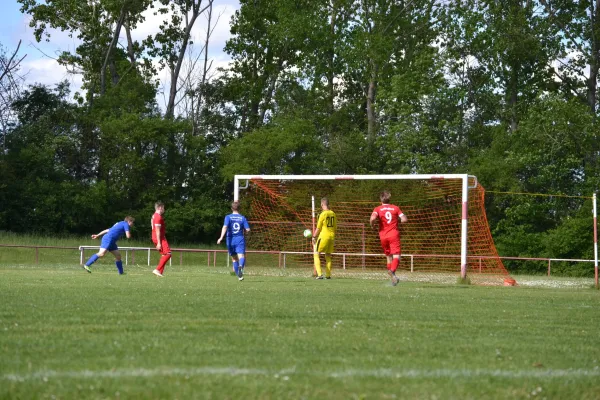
(465, 178)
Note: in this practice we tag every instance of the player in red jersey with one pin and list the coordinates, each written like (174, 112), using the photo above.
(159, 239)
(385, 217)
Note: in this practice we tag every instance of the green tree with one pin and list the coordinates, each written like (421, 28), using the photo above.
(97, 25)
(42, 167)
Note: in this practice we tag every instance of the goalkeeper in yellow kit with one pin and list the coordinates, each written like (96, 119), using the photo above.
(325, 235)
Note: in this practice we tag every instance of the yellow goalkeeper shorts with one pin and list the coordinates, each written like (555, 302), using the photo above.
(324, 245)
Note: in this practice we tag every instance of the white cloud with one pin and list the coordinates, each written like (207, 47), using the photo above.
(59, 41)
(221, 32)
(48, 72)
(40, 67)
(221, 18)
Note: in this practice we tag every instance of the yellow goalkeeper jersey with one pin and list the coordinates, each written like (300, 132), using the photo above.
(327, 224)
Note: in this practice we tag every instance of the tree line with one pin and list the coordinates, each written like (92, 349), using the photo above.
(506, 91)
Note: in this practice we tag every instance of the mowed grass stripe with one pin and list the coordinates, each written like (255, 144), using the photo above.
(379, 373)
(281, 337)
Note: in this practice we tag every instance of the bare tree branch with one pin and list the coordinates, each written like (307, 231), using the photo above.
(10, 65)
(10, 88)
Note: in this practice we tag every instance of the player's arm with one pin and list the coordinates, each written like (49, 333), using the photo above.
(158, 238)
(223, 231)
(334, 223)
(374, 221)
(316, 235)
(403, 218)
(127, 231)
(100, 234)
(317, 231)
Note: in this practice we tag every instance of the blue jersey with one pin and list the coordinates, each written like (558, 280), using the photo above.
(117, 231)
(235, 223)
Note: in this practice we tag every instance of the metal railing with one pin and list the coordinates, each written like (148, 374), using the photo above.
(211, 255)
(130, 253)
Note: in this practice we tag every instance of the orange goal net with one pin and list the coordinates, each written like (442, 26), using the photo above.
(280, 208)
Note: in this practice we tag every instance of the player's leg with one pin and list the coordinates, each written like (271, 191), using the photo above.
(395, 263)
(390, 248)
(328, 248)
(234, 257)
(385, 245)
(389, 259)
(328, 265)
(394, 267)
(118, 261)
(165, 256)
(236, 266)
(317, 258)
(94, 258)
(239, 248)
(235, 261)
(241, 252)
(241, 263)
(395, 250)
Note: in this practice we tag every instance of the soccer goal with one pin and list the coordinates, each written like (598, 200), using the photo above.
(447, 236)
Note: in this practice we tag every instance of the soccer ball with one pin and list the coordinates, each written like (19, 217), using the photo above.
(307, 233)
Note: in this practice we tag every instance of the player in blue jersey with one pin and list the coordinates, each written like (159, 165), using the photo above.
(234, 226)
(109, 243)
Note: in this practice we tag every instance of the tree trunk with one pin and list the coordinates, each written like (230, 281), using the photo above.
(109, 51)
(130, 51)
(270, 91)
(176, 69)
(513, 97)
(113, 71)
(592, 84)
(205, 67)
(371, 95)
(331, 58)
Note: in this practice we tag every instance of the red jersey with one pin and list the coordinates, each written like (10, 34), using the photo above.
(158, 221)
(388, 218)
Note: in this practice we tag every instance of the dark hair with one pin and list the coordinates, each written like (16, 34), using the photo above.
(235, 206)
(158, 204)
(129, 218)
(385, 197)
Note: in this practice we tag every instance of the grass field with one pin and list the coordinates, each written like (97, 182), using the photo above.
(199, 333)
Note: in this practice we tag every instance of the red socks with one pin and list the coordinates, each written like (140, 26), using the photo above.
(163, 262)
(394, 264)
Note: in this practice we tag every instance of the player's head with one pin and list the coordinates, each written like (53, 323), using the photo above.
(385, 197)
(130, 220)
(159, 207)
(235, 206)
(325, 203)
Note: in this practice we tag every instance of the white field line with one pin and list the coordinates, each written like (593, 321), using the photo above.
(286, 373)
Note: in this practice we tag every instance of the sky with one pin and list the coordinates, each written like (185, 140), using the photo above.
(40, 65)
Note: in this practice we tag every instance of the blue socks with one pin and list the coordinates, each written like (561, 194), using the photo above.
(119, 266)
(236, 267)
(95, 257)
(242, 262)
(92, 260)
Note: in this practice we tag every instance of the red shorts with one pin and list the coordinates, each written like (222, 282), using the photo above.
(390, 244)
(164, 246)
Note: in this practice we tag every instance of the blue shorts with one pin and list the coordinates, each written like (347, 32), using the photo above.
(109, 244)
(236, 247)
